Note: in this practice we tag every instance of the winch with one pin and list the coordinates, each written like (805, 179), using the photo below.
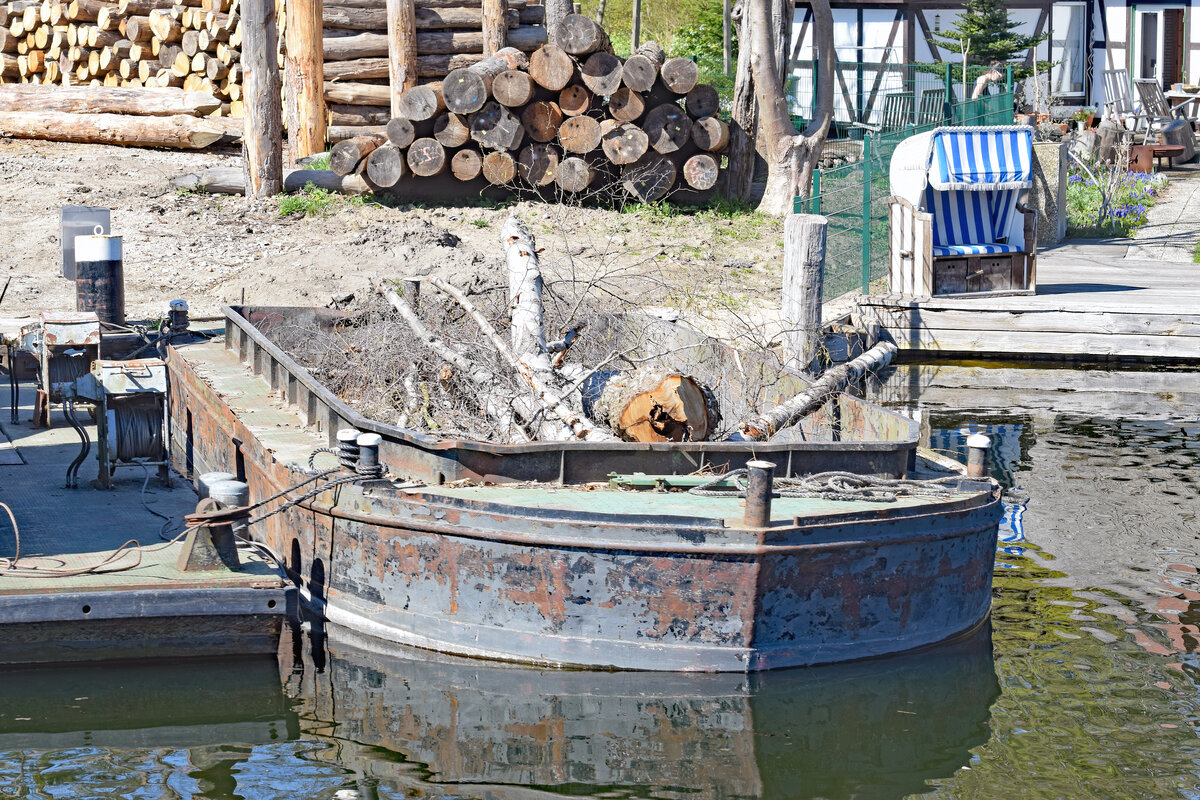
(65, 344)
(131, 416)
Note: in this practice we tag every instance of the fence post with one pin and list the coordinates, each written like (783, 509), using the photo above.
(815, 202)
(812, 77)
(866, 214)
(948, 80)
(1008, 78)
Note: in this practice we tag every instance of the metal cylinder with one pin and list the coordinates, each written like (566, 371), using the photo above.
(177, 317)
(977, 447)
(758, 493)
(368, 455)
(347, 439)
(205, 482)
(230, 494)
(99, 277)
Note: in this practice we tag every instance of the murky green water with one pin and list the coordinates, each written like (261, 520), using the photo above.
(1086, 686)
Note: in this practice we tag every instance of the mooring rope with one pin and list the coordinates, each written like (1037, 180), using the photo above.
(844, 486)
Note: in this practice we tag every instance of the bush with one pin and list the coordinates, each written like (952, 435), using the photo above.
(1132, 196)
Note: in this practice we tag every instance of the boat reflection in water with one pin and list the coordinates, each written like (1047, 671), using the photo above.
(872, 729)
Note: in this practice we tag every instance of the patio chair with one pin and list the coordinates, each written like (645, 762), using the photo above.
(956, 225)
(1118, 104)
(1155, 109)
(932, 110)
(897, 114)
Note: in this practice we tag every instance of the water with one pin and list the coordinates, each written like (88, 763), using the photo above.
(1086, 685)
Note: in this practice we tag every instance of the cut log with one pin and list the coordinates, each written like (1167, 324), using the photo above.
(601, 73)
(579, 135)
(367, 45)
(340, 17)
(538, 164)
(466, 90)
(679, 74)
(427, 157)
(421, 103)
(625, 144)
(668, 128)
(574, 174)
(574, 100)
(385, 166)
(499, 168)
(451, 130)
(702, 101)
(710, 134)
(551, 67)
(358, 94)
(400, 131)
(467, 164)
(103, 100)
(642, 67)
(541, 120)
(650, 179)
(580, 36)
(496, 128)
(701, 171)
(626, 105)
(341, 133)
(652, 406)
(340, 114)
(344, 157)
(513, 88)
(57, 126)
(784, 415)
(435, 66)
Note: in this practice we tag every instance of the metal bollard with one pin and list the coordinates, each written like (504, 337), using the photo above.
(205, 482)
(977, 447)
(758, 494)
(177, 316)
(368, 455)
(347, 439)
(230, 494)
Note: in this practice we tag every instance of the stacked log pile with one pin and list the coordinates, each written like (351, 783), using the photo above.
(192, 45)
(572, 117)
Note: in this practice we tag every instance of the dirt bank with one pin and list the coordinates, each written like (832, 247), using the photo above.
(211, 249)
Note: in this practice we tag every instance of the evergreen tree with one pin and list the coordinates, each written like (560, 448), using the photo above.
(987, 33)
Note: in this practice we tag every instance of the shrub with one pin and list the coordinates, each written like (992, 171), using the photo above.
(1132, 194)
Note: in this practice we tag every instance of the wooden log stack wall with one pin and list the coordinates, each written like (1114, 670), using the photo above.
(571, 117)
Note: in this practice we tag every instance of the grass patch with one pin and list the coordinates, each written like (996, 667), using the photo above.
(1196, 253)
(322, 162)
(312, 201)
(480, 223)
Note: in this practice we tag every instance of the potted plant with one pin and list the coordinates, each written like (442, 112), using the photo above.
(1086, 117)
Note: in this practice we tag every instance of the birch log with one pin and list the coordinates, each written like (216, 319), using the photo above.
(784, 415)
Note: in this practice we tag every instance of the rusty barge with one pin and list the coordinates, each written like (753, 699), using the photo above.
(578, 554)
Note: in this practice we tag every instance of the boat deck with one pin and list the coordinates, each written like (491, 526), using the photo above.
(1092, 304)
(123, 569)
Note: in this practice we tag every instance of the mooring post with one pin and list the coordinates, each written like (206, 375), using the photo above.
(304, 70)
(262, 139)
(803, 277)
(758, 493)
(977, 447)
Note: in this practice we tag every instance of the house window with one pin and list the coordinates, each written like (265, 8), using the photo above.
(1067, 48)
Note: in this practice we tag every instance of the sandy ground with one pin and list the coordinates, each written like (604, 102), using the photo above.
(211, 249)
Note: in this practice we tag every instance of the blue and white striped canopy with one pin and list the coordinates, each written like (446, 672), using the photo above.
(978, 159)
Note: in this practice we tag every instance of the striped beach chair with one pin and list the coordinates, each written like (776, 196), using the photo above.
(957, 225)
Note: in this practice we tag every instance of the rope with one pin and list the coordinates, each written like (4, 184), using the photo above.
(842, 486)
(138, 431)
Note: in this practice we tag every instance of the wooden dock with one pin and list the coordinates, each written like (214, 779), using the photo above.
(1092, 304)
(96, 579)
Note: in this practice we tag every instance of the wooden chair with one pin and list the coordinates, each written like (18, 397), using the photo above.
(932, 110)
(897, 114)
(1155, 109)
(1118, 104)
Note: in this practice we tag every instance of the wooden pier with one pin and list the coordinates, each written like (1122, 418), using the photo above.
(96, 580)
(1092, 304)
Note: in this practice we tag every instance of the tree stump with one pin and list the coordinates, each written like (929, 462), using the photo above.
(655, 406)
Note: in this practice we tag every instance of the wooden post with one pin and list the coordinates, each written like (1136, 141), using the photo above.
(727, 36)
(495, 26)
(803, 274)
(402, 49)
(305, 73)
(262, 143)
(556, 12)
(636, 38)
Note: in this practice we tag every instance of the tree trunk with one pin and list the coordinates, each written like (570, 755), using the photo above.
(655, 406)
(739, 177)
(304, 70)
(790, 156)
(104, 100)
(262, 142)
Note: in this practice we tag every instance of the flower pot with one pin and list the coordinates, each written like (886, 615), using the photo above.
(1025, 119)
